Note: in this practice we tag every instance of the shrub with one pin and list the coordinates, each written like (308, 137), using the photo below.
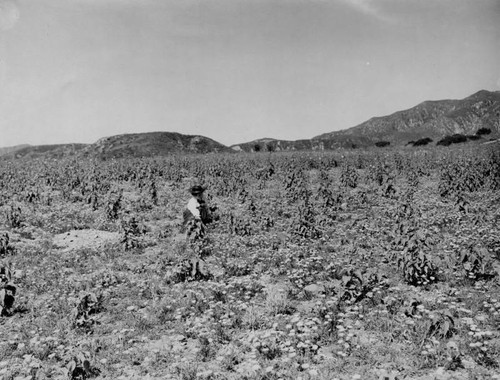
(7, 291)
(4, 244)
(270, 148)
(84, 313)
(80, 367)
(14, 217)
(476, 263)
(483, 131)
(382, 144)
(453, 139)
(474, 137)
(421, 142)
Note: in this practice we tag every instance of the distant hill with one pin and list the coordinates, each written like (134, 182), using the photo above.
(152, 144)
(45, 151)
(258, 145)
(123, 146)
(431, 119)
(11, 149)
(272, 145)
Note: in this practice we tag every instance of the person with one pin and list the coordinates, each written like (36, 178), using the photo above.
(197, 207)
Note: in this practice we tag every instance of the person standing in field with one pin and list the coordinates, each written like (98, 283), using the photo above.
(197, 208)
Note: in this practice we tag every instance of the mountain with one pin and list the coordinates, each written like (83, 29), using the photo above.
(122, 146)
(152, 144)
(433, 119)
(430, 119)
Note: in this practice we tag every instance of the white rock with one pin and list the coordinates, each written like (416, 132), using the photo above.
(314, 288)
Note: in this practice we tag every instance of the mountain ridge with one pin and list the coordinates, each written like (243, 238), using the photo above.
(430, 119)
(436, 118)
(433, 119)
(146, 144)
(153, 144)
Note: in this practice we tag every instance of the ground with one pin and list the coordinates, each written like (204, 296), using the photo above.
(352, 266)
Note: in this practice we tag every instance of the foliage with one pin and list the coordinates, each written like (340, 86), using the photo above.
(5, 247)
(473, 137)
(453, 139)
(131, 231)
(85, 312)
(483, 131)
(421, 142)
(13, 216)
(349, 177)
(7, 291)
(113, 204)
(320, 265)
(475, 262)
(442, 326)
(193, 269)
(80, 368)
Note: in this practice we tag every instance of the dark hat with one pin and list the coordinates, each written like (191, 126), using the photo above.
(195, 190)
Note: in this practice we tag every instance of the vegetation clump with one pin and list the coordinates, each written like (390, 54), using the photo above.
(483, 131)
(7, 292)
(453, 139)
(5, 247)
(421, 142)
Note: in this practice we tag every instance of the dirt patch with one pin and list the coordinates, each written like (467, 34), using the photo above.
(77, 239)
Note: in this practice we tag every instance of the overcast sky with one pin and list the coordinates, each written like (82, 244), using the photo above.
(233, 70)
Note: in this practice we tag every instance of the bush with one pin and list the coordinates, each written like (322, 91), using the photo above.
(483, 131)
(453, 139)
(382, 144)
(421, 142)
(474, 137)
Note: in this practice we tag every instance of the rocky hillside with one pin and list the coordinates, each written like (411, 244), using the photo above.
(122, 146)
(430, 119)
(152, 144)
(272, 145)
(433, 119)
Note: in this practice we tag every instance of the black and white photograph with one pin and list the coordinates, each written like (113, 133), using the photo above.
(250, 189)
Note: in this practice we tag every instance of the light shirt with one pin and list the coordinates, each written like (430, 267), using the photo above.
(194, 206)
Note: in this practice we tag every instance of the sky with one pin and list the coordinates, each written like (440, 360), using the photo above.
(74, 71)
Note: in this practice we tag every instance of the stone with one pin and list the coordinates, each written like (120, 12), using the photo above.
(314, 288)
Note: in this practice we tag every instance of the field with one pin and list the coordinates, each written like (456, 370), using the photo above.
(341, 265)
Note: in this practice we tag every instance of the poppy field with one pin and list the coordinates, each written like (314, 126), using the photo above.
(378, 264)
